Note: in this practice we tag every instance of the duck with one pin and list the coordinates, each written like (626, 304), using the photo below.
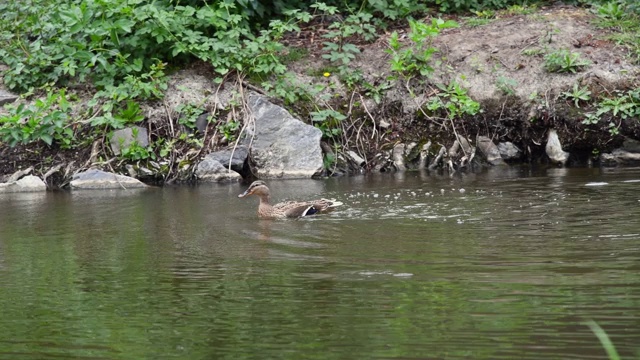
(288, 209)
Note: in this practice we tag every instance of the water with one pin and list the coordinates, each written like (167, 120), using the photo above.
(505, 264)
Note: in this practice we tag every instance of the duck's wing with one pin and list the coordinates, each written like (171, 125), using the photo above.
(299, 209)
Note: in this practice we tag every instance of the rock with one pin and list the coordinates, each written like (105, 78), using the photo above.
(125, 137)
(489, 150)
(554, 149)
(424, 155)
(398, 157)
(202, 121)
(98, 179)
(19, 174)
(508, 151)
(281, 146)
(237, 161)
(620, 157)
(631, 145)
(355, 158)
(29, 183)
(7, 97)
(211, 170)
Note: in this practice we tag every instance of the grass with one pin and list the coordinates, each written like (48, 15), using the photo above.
(608, 346)
(625, 24)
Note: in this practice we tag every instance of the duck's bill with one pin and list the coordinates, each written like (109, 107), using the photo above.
(244, 194)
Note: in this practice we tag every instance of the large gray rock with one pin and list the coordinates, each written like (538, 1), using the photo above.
(281, 146)
(554, 149)
(98, 179)
(29, 183)
(123, 138)
(236, 157)
(211, 170)
(490, 151)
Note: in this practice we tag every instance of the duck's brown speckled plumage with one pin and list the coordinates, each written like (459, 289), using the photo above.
(288, 209)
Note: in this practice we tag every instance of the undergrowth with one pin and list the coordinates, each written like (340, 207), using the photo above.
(122, 52)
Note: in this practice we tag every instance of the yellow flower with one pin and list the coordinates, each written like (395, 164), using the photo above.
(327, 74)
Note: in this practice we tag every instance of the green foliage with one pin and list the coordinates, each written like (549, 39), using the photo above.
(624, 18)
(506, 85)
(229, 130)
(623, 106)
(532, 52)
(337, 49)
(136, 152)
(189, 113)
(292, 91)
(377, 91)
(414, 59)
(563, 61)
(518, 9)
(454, 101)
(46, 120)
(328, 121)
(577, 94)
(612, 10)
(448, 6)
(396, 9)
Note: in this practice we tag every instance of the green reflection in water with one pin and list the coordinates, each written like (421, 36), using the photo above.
(508, 269)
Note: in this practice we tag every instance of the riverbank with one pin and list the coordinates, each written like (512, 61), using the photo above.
(543, 85)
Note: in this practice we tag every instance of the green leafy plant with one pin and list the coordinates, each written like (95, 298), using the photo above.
(136, 152)
(624, 105)
(454, 101)
(229, 130)
(577, 94)
(612, 10)
(414, 59)
(328, 121)
(506, 85)
(396, 9)
(591, 119)
(517, 9)
(292, 91)
(45, 120)
(337, 49)
(376, 92)
(189, 114)
(532, 52)
(562, 61)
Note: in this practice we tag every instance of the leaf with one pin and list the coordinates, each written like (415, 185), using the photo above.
(46, 138)
(84, 56)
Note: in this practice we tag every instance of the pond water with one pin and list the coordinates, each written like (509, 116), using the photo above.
(502, 264)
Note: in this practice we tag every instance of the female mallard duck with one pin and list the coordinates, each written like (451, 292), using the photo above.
(289, 209)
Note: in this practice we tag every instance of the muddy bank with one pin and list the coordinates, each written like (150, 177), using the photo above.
(391, 123)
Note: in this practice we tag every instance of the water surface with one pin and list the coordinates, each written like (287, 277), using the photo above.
(504, 264)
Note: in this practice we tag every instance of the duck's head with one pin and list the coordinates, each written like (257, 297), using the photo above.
(257, 187)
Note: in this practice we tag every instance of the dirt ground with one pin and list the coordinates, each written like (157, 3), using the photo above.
(506, 50)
